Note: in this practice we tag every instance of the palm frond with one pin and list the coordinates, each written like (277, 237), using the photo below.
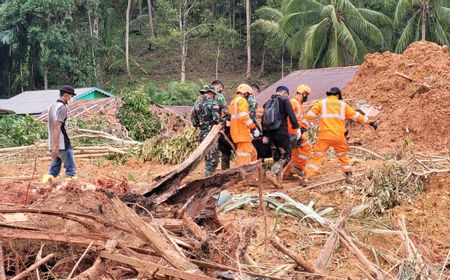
(401, 9)
(333, 54)
(269, 13)
(440, 35)
(443, 15)
(314, 36)
(407, 35)
(374, 17)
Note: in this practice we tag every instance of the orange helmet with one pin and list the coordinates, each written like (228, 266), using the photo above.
(244, 88)
(303, 88)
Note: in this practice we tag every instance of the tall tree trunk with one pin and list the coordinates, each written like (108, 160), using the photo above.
(33, 64)
(183, 28)
(424, 21)
(127, 37)
(214, 8)
(150, 20)
(233, 14)
(46, 77)
(263, 62)
(217, 60)
(249, 48)
(282, 61)
(291, 67)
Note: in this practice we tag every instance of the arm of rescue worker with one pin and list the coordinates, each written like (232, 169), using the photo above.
(291, 114)
(220, 98)
(351, 114)
(313, 113)
(55, 140)
(244, 114)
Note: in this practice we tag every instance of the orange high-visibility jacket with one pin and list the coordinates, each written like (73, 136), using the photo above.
(299, 112)
(240, 122)
(332, 113)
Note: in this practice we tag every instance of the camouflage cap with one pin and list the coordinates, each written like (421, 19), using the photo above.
(208, 88)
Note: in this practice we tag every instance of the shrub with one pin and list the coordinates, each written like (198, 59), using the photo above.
(16, 130)
(177, 93)
(135, 115)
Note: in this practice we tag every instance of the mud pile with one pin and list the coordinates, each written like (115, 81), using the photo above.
(412, 90)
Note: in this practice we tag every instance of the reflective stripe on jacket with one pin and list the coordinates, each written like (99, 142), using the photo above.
(240, 122)
(299, 112)
(332, 113)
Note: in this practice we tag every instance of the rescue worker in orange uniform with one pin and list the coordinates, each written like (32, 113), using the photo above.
(242, 128)
(300, 154)
(332, 113)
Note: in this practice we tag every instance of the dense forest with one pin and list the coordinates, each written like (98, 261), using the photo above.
(118, 43)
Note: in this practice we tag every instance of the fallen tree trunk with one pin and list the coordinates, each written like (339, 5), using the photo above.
(179, 194)
(186, 167)
(150, 234)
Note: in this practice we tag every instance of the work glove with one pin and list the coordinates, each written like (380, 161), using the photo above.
(374, 124)
(299, 134)
(255, 132)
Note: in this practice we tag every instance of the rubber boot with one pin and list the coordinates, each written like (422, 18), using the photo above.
(48, 178)
(349, 178)
(208, 173)
(298, 171)
(70, 178)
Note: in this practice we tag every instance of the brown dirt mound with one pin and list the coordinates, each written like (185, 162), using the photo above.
(410, 116)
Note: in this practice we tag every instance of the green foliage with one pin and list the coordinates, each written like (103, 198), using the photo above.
(433, 16)
(134, 113)
(20, 131)
(173, 150)
(332, 33)
(177, 93)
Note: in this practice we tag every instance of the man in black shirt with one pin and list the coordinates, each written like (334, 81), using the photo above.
(279, 136)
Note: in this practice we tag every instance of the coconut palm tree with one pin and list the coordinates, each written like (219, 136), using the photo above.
(425, 19)
(268, 23)
(332, 33)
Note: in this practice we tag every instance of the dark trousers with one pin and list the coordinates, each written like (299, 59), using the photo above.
(225, 152)
(281, 148)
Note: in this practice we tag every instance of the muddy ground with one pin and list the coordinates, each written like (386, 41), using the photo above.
(427, 217)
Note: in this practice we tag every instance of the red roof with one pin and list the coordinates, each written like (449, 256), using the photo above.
(85, 108)
(319, 80)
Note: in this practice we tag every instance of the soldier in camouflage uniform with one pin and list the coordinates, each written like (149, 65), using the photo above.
(224, 146)
(252, 105)
(205, 114)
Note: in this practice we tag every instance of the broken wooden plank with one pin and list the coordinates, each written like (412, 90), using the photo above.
(32, 267)
(150, 234)
(187, 166)
(199, 233)
(324, 257)
(299, 260)
(404, 76)
(152, 268)
(53, 236)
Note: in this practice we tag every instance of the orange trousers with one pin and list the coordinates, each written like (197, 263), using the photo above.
(245, 153)
(300, 155)
(340, 147)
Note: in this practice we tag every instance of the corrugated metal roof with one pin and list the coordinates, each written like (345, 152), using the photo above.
(320, 80)
(36, 101)
(179, 110)
(85, 108)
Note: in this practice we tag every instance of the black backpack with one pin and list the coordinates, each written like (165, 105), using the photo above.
(272, 118)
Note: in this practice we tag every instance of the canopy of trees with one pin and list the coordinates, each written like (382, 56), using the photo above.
(46, 43)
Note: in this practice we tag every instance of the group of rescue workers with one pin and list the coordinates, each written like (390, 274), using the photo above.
(282, 133)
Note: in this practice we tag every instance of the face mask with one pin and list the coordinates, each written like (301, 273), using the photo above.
(304, 98)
